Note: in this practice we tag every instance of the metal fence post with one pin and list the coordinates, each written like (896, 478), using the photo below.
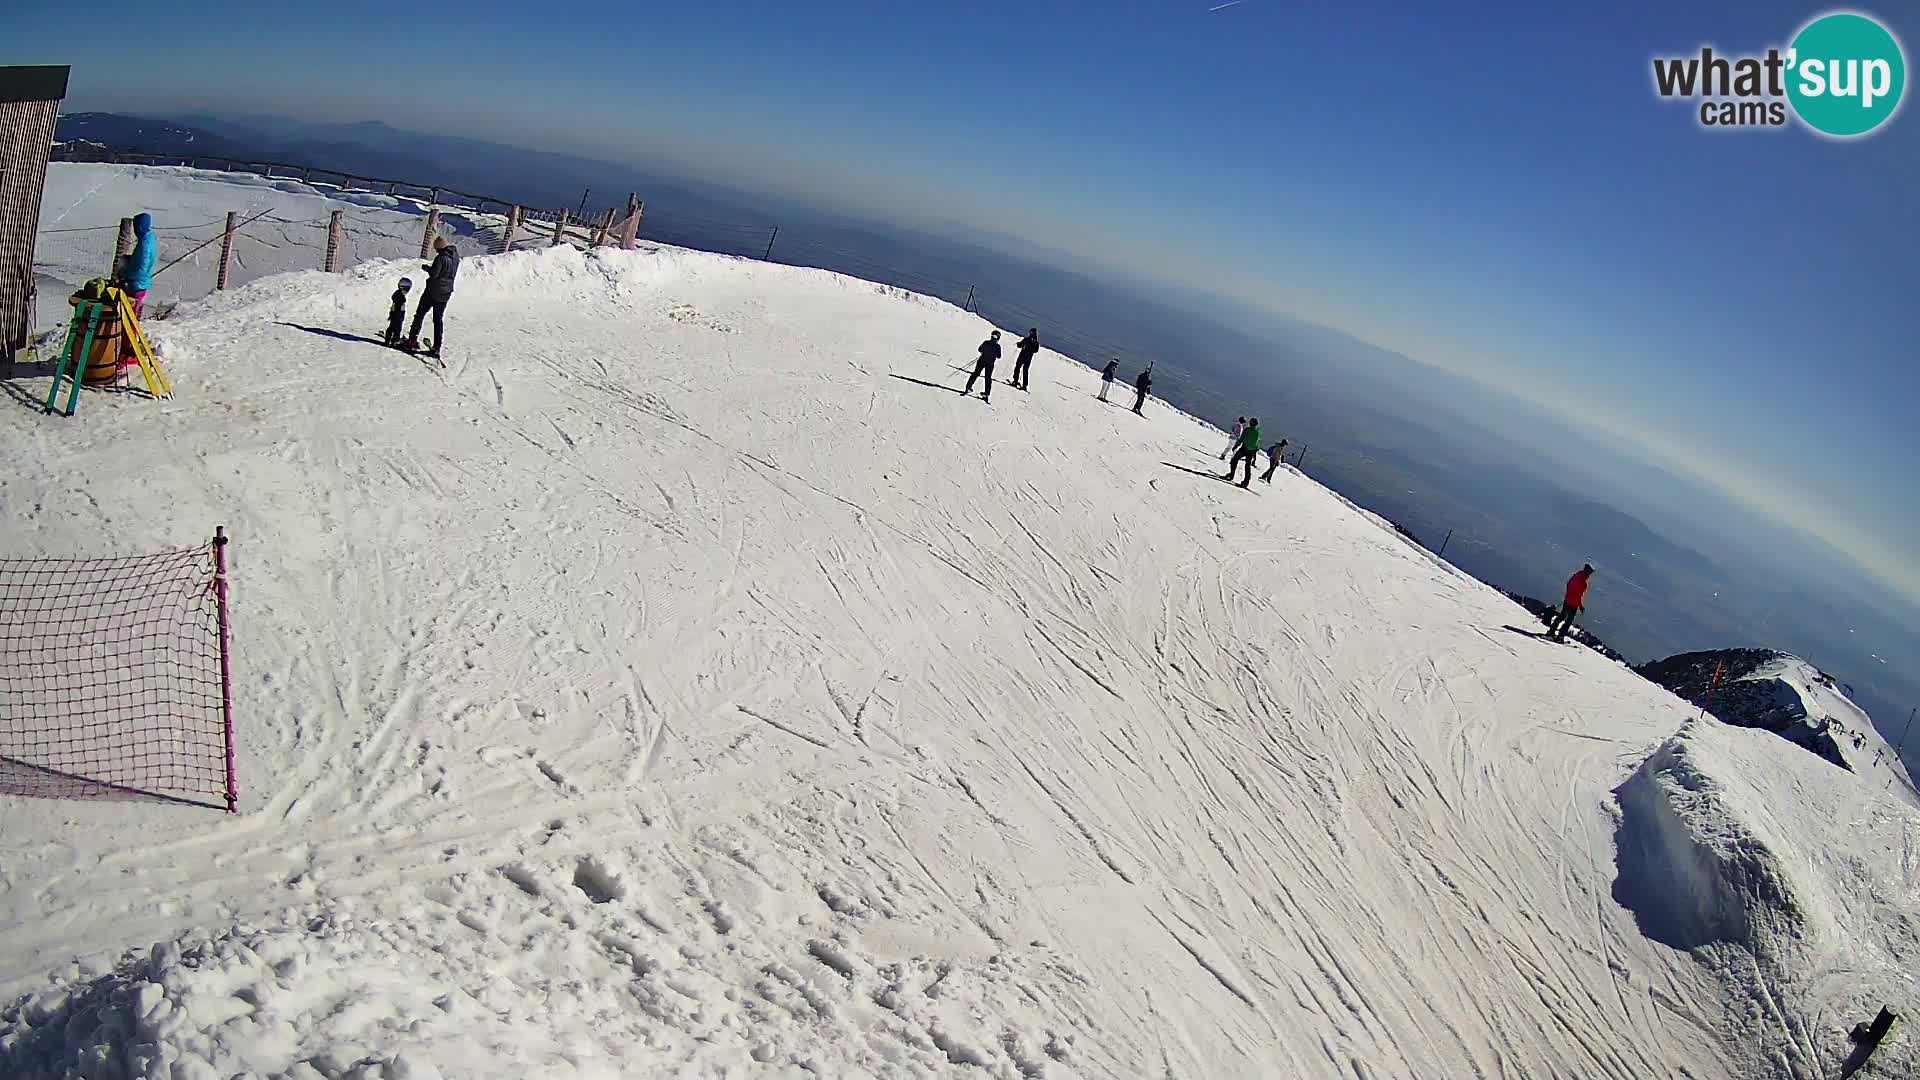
(1301, 461)
(969, 304)
(1442, 553)
(513, 226)
(336, 229)
(776, 235)
(226, 251)
(432, 230)
(559, 229)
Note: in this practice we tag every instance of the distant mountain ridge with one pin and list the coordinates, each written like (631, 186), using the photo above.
(1782, 693)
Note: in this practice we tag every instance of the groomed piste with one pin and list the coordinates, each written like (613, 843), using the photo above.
(687, 680)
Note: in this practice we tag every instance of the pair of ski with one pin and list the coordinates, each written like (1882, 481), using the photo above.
(426, 356)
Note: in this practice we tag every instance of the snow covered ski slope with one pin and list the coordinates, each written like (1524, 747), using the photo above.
(687, 681)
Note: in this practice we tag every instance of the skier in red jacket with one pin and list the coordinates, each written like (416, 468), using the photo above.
(1576, 598)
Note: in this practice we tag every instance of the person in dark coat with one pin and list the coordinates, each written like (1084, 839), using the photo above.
(1106, 377)
(1023, 359)
(439, 289)
(989, 352)
(1248, 449)
(1571, 605)
(1142, 386)
(1276, 454)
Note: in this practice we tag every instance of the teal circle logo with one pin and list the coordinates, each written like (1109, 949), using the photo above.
(1845, 74)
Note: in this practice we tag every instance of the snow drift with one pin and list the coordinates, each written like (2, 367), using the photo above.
(685, 680)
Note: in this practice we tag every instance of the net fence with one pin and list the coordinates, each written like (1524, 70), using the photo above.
(113, 678)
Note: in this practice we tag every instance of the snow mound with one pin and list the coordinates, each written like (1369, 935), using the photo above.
(1777, 874)
(1697, 865)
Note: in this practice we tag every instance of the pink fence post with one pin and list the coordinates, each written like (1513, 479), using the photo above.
(559, 229)
(513, 226)
(226, 666)
(432, 230)
(226, 251)
(336, 229)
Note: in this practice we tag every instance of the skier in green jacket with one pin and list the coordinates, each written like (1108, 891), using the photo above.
(1249, 447)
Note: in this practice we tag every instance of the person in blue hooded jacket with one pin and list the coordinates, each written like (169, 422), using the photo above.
(136, 272)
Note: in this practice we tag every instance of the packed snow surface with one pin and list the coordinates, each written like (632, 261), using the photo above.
(687, 681)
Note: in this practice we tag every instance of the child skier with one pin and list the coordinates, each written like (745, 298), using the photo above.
(397, 315)
(1233, 440)
(1276, 454)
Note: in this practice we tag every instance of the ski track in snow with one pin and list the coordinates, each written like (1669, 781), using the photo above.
(664, 687)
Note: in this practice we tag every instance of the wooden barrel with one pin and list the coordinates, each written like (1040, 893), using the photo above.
(109, 347)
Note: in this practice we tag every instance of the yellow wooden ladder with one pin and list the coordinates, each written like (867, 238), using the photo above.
(157, 383)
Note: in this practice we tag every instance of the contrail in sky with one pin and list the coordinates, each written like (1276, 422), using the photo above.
(1228, 4)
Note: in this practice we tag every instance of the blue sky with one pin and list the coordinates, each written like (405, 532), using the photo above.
(1499, 194)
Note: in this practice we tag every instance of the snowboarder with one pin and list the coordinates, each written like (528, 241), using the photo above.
(1106, 377)
(434, 296)
(1576, 598)
(397, 314)
(1276, 454)
(1141, 387)
(136, 270)
(1023, 359)
(1249, 448)
(1233, 440)
(989, 352)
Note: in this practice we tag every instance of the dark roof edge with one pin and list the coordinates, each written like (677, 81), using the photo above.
(41, 83)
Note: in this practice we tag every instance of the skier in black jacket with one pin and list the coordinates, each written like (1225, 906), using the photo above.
(439, 290)
(1023, 359)
(1142, 386)
(989, 352)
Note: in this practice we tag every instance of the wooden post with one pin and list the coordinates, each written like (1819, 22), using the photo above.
(581, 213)
(1442, 553)
(122, 245)
(432, 230)
(226, 251)
(969, 304)
(559, 229)
(1301, 461)
(606, 229)
(513, 226)
(631, 234)
(776, 235)
(336, 229)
